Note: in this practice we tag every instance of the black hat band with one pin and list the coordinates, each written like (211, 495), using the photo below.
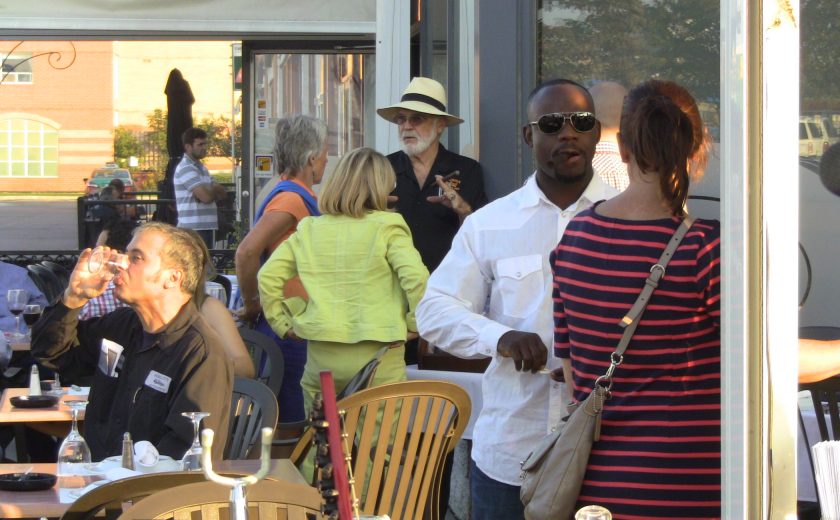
(424, 99)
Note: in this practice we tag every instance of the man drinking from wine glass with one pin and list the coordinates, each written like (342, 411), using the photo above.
(14, 277)
(149, 362)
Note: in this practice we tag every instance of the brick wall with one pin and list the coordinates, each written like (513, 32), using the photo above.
(78, 100)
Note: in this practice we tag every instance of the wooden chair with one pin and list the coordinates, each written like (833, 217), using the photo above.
(253, 407)
(399, 435)
(267, 500)
(109, 498)
(267, 358)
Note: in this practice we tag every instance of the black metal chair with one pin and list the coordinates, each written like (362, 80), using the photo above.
(362, 379)
(59, 270)
(253, 407)
(46, 281)
(267, 358)
(224, 282)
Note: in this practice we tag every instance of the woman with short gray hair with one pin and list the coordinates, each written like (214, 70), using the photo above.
(300, 153)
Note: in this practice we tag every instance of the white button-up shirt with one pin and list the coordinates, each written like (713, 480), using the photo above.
(497, 278)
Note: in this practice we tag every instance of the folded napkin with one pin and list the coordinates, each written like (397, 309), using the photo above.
(145, 454)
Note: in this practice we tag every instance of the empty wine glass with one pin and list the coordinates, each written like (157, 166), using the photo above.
(112, 259)
(17, 300)
(74, 452)
(31, 313)
(192, 458)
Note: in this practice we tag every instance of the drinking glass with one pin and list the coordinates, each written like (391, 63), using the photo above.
(17, 300)
(31, 313)
(593, 513)
(192, 458)
(113, 260)
(74, 453)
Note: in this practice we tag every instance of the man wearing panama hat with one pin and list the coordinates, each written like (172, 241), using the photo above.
(432, 204)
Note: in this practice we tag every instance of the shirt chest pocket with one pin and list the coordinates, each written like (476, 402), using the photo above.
(148, 413)
(520, 284)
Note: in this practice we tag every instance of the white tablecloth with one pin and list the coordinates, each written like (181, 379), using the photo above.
(469, 381)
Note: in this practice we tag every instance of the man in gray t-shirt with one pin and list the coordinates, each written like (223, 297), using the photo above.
(195, 192)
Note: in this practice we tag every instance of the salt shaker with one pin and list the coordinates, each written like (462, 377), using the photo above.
(34, 381)
(127, 452)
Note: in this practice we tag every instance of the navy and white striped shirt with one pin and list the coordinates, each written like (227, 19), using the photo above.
(192, 213)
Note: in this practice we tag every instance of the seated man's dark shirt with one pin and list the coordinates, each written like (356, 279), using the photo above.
(433, 226)
(184, 368)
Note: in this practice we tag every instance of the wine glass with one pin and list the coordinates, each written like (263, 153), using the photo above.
(31, 313)
(17, 300)
(74, 451)
(192, 458)
(112, 259)
(593, 513)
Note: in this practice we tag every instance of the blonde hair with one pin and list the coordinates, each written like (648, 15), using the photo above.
(360, 183)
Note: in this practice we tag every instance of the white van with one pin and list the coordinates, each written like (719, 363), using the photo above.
(812, 140)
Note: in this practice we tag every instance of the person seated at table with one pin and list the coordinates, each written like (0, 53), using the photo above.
(221, 320)
(119, 194)
(361, 271)
(161, 358)
(116, 234)
(15, 277)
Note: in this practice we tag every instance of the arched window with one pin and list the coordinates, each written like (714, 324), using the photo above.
(28, 148)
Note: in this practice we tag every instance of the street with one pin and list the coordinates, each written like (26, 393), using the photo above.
(38, 225)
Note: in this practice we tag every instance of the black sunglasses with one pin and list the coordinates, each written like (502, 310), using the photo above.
(553, 123)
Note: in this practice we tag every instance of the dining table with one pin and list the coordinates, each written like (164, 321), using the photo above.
(37, 504)
(53, 420)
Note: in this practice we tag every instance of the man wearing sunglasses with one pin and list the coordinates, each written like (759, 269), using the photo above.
(491, 295)
(436, 189)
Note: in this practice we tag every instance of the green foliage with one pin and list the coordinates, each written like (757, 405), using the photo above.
(820, 55)
(632, 41)
(126, 145)
(218, 137)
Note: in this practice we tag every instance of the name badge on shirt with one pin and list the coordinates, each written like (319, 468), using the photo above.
(110, 357)
(158, 381)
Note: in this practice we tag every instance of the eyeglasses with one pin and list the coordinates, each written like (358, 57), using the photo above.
(553, 123)
(414, 119)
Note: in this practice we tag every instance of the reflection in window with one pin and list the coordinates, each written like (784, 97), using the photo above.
(632, 41)
(28, 148)
(17, 68)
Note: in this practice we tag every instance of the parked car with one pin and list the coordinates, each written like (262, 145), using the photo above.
(813, 136)
(103, 176)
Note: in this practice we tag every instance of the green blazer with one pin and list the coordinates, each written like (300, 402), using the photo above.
(363, 276)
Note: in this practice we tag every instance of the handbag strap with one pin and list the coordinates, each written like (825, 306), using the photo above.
(631, 320)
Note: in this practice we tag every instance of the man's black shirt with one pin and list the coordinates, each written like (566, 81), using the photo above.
(433, 226)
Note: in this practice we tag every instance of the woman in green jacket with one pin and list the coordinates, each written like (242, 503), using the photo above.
(361, 271)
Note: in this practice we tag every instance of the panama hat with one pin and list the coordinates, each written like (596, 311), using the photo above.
(423, 95)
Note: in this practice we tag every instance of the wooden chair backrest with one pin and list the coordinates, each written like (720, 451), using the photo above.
(267, 500)
(399, 435)
(109, 498)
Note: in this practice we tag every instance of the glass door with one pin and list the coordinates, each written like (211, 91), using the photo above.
(335, 87)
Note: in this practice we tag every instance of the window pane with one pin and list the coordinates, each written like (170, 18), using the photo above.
(18, 169)
(34, 155)
(51, 138)
(51, 154)
(50, 170)
(18, 139)
(18, 153)
(632, 41)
